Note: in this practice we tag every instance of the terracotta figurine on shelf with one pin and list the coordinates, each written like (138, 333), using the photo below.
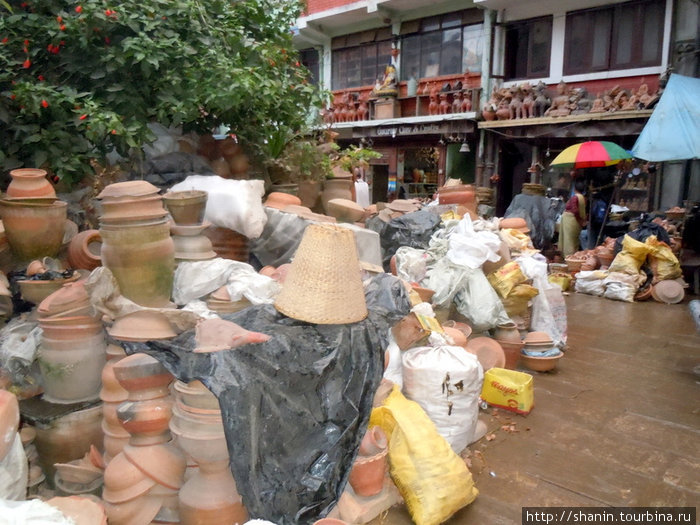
(528, 108)
(598, 105)
(457, 102)
(516, 103)
(560, 103)
(363, 109)
(444, 107)
(466, 102)
(541, 99)
(434, 106)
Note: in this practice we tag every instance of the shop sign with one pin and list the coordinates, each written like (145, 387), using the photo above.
(414, 129)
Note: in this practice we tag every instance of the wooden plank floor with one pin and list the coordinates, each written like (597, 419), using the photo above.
(617, 424)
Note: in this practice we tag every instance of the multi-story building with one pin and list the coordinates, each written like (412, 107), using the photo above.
(589, 69)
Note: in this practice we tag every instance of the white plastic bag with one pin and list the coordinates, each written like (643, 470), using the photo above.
(471, 248)
(233, 204)
(591, 282)
(411, 264)
(394, 370)
(31, 512)
(446, 382)
(620, 291)
(14, 473)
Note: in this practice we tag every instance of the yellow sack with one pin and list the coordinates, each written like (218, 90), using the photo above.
(508, 389)
(518, 299)
(631, 258)
(662, 260)
(560, 279)
(433, 480)
(515, 239)
(506, 277)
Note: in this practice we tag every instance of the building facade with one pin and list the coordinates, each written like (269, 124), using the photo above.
(489, 91)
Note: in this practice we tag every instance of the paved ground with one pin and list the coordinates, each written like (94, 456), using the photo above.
(618, 424)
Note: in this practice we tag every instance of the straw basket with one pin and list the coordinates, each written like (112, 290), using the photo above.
(324, 283)
(574, 265)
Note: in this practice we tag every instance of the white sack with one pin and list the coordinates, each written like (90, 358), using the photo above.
(233, 204)
(13, 475)
(394, 371)
(591, 282)
(471, 248)
(446, 382)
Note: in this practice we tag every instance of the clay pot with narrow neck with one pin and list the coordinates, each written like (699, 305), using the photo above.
(507, 333)
(84, 250)
(29, 183)
(374, 441)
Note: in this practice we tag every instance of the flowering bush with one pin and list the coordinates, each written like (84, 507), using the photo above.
(82, 78)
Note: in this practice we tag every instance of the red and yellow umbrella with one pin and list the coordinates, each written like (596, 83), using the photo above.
(591, 154)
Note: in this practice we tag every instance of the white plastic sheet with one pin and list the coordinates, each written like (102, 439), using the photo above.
(13, 475)
(196, 279)
(233, 204)
(411, 264)
(471, 248)
(394, 370)
(19, 340)
(31, 512)
(446, 382)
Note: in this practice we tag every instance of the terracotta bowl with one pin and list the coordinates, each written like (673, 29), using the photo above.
(142, 325)
(462, 327)
(195, 394)
(540, 364)
(345, 210)
(141, 509)
(189, 230)
(517, 223)
(279, 200)
(537, 337)
(197, 248)
(668, 291)
(147, 417)
(127, 190)
(37, 291)
(124, 481)
(77, 473)
(143, 376)
(186, 207)
(164, 463)
(488, 351)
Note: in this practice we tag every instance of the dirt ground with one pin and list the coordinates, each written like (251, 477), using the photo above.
(617, 424)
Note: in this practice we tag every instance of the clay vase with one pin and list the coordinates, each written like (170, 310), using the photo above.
(141, 256)
(335, 189)
(28, 183)
(309, 193)
(488, 114)
(84, 250)
(367, 474)
(34, 230)
(143, 376)
(508, 336)
(374, 442)
(186, 207)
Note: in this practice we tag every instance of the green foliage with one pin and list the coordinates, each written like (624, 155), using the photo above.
(80, 79)
(356, 156)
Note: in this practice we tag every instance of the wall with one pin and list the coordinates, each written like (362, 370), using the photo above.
(316, 6)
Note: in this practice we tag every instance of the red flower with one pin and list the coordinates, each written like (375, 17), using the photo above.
(62, 42)
(4, 40)
(107, 40)
(44, 104)
(13, 96)
(114, 132)
(82, 117)
(26, 42)
(79, 9)
(62, 27)
(41, 78)
(27, 64)
(297, 63)
(59, 19)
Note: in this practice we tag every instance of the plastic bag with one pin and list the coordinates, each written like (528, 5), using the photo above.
(446, 382)
(518, 299)
(13, 472)
(31, 512)
(433, 480)
(279, 239)
(506, 278)
(471, 248)
(631, 258)
(516, 240)
(508, 389)
(411, 264)
(591, 282)
(394, 368)
(233, 204)
(620, 291)
(662, 260)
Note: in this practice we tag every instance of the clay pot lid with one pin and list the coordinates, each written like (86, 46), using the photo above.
(9, 421)
(668, 291)
(488, 351)
(538, 337)
(69, 296)
(516, 223)
(78, 472)
(279, 200)
(123, 481)
(402, 205)
(190, 230)
(221, 294)
(130, 188)
(297, 209)
(82, 510)
(164, 463)
(142, 325)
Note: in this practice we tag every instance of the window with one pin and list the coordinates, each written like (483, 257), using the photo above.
(309, 58)
(442, 45)
(356, 62)
(528, 48)
(620, 37)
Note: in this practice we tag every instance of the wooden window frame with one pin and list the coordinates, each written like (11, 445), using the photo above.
(528, 24)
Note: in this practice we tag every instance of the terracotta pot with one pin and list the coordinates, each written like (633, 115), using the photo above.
(142, 259)
(124, 481)
(367, 475)
(374, 442)
(186, 207)
(67, 298)
(143, 376)
(464, 198)
(109, 413)
(193, 248)
(228, 244)
(195, 394)
(34, 230)
(164, 463)
(146, 420)
(29, 183)
(84, 250)
(36, 291)
(512, 353)
(280, 199)
(310, 193)
(71, 376)
(135, 209)
(335, 189)
(507, 333)
(140, 510)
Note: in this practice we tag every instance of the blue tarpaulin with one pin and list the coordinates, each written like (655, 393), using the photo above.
(673, 130)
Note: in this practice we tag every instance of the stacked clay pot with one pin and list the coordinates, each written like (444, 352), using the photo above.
(209, 496)
(508, 336)
(34, 227)
(141, 483)
(462, 195)
(369, 470)
(73, 347)
(112, 395)
(220, 302)
(227, 243)
(84, 250)
(136, 243)
(187, 209)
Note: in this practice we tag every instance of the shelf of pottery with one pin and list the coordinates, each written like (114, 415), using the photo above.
(635, 193)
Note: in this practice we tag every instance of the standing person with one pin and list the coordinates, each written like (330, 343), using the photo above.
(573, 220)
(361, 189)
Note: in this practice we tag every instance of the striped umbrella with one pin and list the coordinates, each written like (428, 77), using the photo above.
(591, 154)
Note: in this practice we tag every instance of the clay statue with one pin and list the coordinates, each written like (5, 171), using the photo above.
(541, 99)
(598, 105)
(516, 103)
(389, 85)
(433, 107)
(466, 102)
(528, 107)
(457, 102)
(643, 95)
(579, 101)
(560, 103)
(328, 115)
(444, 107)
(362, 109)
(621, 99)
(503, 111)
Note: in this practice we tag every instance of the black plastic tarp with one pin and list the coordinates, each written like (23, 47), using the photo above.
(540, 213)
(295, 407)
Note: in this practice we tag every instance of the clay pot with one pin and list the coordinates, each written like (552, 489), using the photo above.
(279, 199)
(124, 481)
(374, 442)
(164, 463)
(29, 183)
(134, 209)
(141, 256)
(35, 291)
(138, 511)
(488, 351)
(211, 498)
(465, 198)
(70, 296)
(512, 353)
(335, 189)
(425, 294)
(142, 325)
(84, 250)
(408, 331)
(488, 114)
(195, 394)
(146, 420)
(367, 474)
(193, 248)
(507, 333)
(143, 376)
(186, 207)
(9, 421)
(541, 364)
(309, 193)
(228, 244)
(34, 230)
(456, 336)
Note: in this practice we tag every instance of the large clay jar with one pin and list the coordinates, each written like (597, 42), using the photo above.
(29, 183)
(336, 189)
(141, 256)
(309, 193)
(34, 230)
(84, 250)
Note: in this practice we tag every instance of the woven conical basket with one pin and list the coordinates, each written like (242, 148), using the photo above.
(324, 283)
